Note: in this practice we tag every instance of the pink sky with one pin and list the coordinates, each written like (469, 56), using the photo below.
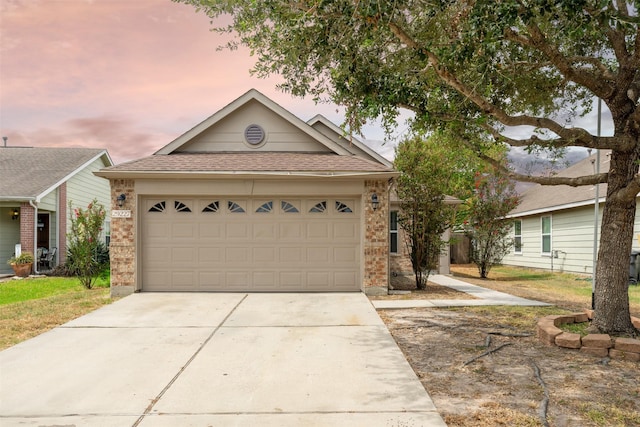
(125, 75)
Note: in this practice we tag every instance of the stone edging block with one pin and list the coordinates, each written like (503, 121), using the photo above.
(600, 345)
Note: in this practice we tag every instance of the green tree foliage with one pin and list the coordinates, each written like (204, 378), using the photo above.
(84, 257)
(489, 230)
(495, 68)
(423, 214)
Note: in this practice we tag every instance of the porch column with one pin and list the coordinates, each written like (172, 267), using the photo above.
(376, 238)
(122, 246)
(27, 227)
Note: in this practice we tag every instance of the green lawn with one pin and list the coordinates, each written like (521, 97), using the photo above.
(30, 307)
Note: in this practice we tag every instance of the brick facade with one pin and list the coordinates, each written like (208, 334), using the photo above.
(376, 238)
(27, 227)
(122, 246)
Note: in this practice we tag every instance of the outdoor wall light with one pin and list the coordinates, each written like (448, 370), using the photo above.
(15, 214)
(374, 201)
(121, 198)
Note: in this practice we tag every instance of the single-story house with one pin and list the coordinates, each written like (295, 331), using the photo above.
(554, 225)
(252, 199)
(36, 186)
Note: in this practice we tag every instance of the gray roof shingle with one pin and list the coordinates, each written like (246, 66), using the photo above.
(249, 162)
(551, 197)
(26, 172)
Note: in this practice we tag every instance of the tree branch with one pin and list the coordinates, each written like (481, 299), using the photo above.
(573, 134)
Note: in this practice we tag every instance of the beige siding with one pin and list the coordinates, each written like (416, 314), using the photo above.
(83, 187)
(228, 134)
(571, 236)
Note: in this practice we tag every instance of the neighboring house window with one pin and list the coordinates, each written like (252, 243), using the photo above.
(545, 222)
(517, 236)
(393, 232)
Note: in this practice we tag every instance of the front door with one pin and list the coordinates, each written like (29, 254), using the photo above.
(43, 230)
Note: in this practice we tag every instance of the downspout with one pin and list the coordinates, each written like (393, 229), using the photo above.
(35, 234)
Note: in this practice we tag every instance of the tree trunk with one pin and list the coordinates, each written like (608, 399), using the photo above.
(612, 313)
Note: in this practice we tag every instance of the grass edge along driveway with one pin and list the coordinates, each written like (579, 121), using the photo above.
(32, 306)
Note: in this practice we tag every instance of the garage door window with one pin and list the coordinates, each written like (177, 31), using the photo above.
(235, 207)
(342, 207)
(212, 207)
(264, 208)
(319, 207)
(158, 207)
(181, 207)
(288, 207)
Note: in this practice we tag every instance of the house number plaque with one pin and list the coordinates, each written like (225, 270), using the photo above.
(121, 214)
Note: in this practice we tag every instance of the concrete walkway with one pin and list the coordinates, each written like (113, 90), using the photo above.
(484, 297)
(200, 359)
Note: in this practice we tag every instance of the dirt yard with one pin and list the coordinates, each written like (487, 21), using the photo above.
(505, 388)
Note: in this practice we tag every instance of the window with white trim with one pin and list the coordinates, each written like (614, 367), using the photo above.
(545, 228)
(517, 236)
(393, 232)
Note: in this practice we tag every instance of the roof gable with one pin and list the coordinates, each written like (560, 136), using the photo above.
(224, 131)
(29, 173)
(354, 145)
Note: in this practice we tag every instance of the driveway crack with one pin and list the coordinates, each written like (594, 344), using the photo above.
(149, 408)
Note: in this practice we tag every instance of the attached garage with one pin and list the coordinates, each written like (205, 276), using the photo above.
(252, 200)
(250, 244)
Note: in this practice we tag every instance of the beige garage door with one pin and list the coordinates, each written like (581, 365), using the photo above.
(240, 244)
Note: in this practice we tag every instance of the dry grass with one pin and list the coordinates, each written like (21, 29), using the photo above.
(20, 321)
(570, 291)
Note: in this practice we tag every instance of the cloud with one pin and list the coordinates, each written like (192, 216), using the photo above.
(118, 135)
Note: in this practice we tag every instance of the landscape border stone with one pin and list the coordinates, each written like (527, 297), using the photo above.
(600, 345)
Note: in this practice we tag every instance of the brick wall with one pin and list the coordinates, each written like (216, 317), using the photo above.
(122, 245)
(27, 224)
(376, 237)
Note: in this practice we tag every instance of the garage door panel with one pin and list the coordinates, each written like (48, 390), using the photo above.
(318, 255)
(210, 255)
(208, 230)
(291, 254)
(342, 255)
(267, 244)
(264, 255)
(344, 231)
(237, 280)
(262, 231)
(291, 279)
(236, 255)
(184, 256)
(290, 231)
(263, 280)
(318, 230)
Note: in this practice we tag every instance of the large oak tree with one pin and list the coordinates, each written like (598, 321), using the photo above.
(477, 67)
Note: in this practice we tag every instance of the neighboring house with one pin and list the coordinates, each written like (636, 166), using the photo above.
(252, 199)
(36, 186)
(554, 225)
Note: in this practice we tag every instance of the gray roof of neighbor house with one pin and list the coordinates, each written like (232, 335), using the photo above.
(547, 198)
(29, 173)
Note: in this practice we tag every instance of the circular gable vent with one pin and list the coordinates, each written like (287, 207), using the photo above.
(254, 134)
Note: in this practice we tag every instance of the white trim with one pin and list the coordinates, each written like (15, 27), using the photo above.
(252, 94)
(542, 235)
(556, 208)
(319, 118)
(77, 170)
(515, 250)
(392, 231)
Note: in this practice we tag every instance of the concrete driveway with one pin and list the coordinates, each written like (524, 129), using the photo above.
(176, 359)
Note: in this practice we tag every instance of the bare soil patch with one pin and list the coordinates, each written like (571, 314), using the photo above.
(501, 388)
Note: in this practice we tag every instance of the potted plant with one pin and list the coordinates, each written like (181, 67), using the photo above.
(22, 264)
